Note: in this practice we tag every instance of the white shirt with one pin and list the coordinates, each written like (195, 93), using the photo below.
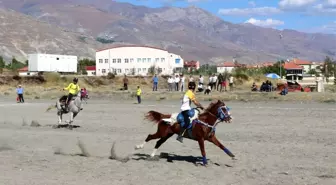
(191, 79)
(182, 79)
(170, 80)
(214, 79)
(210, 79)
(231, 79)
(201, 80)
(177, 79)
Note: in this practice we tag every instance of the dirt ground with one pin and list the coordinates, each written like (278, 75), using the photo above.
(275, 144)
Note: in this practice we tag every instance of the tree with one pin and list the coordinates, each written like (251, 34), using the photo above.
(15, 65)
(328, 68)
(85, 62)
(2, 64)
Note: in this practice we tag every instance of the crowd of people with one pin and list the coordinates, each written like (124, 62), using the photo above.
(265, 87)
(215, 82)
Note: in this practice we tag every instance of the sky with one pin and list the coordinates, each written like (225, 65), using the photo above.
(301, 15)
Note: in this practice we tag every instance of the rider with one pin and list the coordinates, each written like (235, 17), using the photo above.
(73, 89)
(188, 97)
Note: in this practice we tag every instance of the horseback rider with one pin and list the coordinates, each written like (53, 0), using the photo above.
(73, 89)
(188, 97)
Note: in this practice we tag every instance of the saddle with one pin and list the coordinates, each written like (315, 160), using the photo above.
(192, 116)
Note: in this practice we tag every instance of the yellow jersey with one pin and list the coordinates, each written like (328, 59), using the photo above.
(138, 92)
(73, 88)
(186, 100)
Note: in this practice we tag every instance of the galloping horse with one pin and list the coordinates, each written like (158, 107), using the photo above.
(201, 128)
(74, 107)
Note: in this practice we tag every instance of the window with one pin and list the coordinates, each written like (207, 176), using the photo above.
(114, 71)
(114, 60)
(100, 60)
(143, 60)
(139, 59)
(148, 60)
(139, 69)
(144, 69)
(131, 60)
(126, 60)
(106, 61)
(119, 60)
(177, 61)
(57, 58)
(160, 70)
(119, 71)
(103, 70)
(126, 70)
(157, 60)
(162, 59)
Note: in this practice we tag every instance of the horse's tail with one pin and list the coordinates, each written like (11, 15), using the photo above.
(51, 107)
(156, 117)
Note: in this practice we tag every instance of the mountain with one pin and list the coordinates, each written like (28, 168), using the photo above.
(21, 35)
(191, 32)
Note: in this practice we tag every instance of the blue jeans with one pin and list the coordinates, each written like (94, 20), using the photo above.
(139, 99)
(155, 86)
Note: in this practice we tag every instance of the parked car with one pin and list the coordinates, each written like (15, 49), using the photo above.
(292, 86)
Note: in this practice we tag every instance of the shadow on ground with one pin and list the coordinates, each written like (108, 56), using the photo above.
(171, 158)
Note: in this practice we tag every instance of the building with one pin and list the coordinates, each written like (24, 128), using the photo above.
(293, 71)
(306, 65)
(91, 70)
(192, 65)
(24, 72)
(226, 67)
(52, 63)
(137, 60)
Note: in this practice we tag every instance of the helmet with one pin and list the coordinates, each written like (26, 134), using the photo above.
(75, 80)
(192, 85)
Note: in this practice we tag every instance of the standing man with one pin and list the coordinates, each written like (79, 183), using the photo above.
(177, 81)
(182, 82)
(125, 80)
(170, 83)
(231, 82)
(139, 94)
(220, 82)
(155, 82)
(214, 82)
(19, 92)
(201, 80)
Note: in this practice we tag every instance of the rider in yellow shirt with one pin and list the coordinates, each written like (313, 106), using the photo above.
(188, 97)
(73, 89)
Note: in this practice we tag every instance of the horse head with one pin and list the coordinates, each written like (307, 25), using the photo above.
(221, 111)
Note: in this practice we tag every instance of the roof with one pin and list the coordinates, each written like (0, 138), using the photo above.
(24, 69)
(227, 64)
(292, 65)
(301, 62)
(123, 46)
(191, 63)
(90, 68)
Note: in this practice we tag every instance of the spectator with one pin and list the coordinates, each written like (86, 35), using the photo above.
(208, 90)
(19, 92)
(182, 82)
(191, 79)
(214, 81)
(210, 80)
(139, 94)
(177, 81)
(223, 85)
(231, 82)
(125, 80)
(201, 80)
(155, 82)
(170, 83)
(254, 87)
(220, 82)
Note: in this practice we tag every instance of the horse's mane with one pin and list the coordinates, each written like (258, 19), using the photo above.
(211, 105)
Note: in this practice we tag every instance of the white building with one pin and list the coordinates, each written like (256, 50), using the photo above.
(24, 72)
(136, 60)
(91, 70)
(225, 67)
(52, 63)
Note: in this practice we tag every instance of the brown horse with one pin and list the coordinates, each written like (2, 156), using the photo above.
(202, 128)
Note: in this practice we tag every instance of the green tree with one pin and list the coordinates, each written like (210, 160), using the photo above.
(2, 64)
(15, 65)
(328, 68)
(83, 63)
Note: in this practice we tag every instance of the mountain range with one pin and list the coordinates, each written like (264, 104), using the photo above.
(74, 26)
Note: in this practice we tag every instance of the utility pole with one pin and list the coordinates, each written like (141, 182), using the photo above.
(280, 35)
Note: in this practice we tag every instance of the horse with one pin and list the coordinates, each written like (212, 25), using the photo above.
(74, 107)
(202, 127)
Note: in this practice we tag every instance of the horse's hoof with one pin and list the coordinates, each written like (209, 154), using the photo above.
(137, 147)
(70, 127)
(233, 158)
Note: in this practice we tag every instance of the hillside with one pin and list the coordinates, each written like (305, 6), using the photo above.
(21, 35)
(191, 32)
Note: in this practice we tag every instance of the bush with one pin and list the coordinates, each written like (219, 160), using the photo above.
(110, 76)
(52, 77)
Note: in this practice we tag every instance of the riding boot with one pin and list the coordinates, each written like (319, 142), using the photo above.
(180, 135)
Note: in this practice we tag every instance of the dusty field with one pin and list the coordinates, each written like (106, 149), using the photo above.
(275, 143)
